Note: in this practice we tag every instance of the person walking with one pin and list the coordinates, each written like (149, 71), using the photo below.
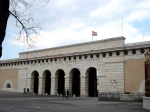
(67, 93)
(24, 91)
(64, 93)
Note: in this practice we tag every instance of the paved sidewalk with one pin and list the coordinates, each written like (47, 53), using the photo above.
(16, 102)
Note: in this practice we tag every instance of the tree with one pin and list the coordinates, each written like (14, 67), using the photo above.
(4, 14)
(27, 24)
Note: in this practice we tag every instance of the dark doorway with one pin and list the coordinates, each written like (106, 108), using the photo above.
(48, 82)
(92, 82)
(36, 82)
(147, 79)
(76, 82)
(61, 81)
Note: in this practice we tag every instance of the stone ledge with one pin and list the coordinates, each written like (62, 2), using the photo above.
(146, 102)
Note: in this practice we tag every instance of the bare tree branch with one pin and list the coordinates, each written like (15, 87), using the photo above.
(29, 26)
(19, 9)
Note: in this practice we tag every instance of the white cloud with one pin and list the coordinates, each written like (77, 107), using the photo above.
(72, 21)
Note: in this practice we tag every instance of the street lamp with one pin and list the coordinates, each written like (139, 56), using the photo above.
(146, 98)
(147, 56)
(147, 74)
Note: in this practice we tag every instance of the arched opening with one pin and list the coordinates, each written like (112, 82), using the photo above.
(92, 82)
(76, 82)
(8, 86)
(47, 82)
(61, 81)
(35, 82)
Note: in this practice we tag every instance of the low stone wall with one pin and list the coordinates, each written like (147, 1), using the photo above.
(146, 102)
(112, 96)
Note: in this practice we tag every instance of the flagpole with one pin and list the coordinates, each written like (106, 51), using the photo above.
(92, 38)
(122, 24)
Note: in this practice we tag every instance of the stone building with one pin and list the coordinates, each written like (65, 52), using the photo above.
(107, 65)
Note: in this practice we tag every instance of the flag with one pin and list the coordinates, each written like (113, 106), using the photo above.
(94, 33)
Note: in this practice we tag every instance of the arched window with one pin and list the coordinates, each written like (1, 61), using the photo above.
(8, 86)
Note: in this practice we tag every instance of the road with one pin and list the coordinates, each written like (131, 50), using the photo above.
(16, 102)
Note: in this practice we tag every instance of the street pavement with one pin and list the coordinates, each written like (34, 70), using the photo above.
(17, 102)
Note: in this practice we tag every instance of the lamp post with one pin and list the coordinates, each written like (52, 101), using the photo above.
(147, 74)
(146, 98)
(147, 56)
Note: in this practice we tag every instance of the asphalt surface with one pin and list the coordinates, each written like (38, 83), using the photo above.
(16, 102)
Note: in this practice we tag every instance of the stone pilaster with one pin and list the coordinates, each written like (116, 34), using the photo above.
(30, 84)
(41, 86)
(84, 90)
(67, 83)
(53, 86)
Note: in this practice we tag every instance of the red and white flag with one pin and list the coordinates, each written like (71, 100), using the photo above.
(94, 33)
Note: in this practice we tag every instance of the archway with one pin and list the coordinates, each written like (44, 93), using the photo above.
(92, 82)
(60, 81)
(8, 86)
(47, 82)
(75, 78)
(35, 81)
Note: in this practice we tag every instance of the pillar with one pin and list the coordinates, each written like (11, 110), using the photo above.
(84, 89)
(53, 86)
(41, 86)
(66, 82)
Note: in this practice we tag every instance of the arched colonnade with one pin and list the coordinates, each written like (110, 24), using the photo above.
(55, 85)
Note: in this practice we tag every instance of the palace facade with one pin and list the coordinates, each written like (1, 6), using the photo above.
(84, 69)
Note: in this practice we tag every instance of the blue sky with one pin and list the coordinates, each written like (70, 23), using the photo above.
(67, 22)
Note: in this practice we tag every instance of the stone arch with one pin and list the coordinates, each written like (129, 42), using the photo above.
(8, 84)
(91, 81)
(35, 82)
(46, 82)
(74, 82)
(60, 81)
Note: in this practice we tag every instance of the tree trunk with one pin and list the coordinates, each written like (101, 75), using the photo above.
(4, 14)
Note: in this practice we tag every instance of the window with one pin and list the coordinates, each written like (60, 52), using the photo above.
(133, 51)
(80, 57)
(85, 56)
(104, 54)
(126, 52)
(64, 58)
(97, 55)
(110, 53)
(142, 51)
(8, 86)
(69, 57)
(117, 53)
(91, 56)
(74, 57)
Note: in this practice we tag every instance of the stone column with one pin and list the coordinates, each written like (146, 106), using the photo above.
(83, 89)
(30, 84)
(53, 86)
(70, 86)
(41, 86)
(66, 82)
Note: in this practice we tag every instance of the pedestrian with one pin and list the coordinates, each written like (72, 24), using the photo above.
(24, 91)
(64, 93)
(67, 93)
(27, 90)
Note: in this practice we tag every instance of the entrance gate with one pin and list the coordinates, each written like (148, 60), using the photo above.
(76, 82)
(92, 82)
